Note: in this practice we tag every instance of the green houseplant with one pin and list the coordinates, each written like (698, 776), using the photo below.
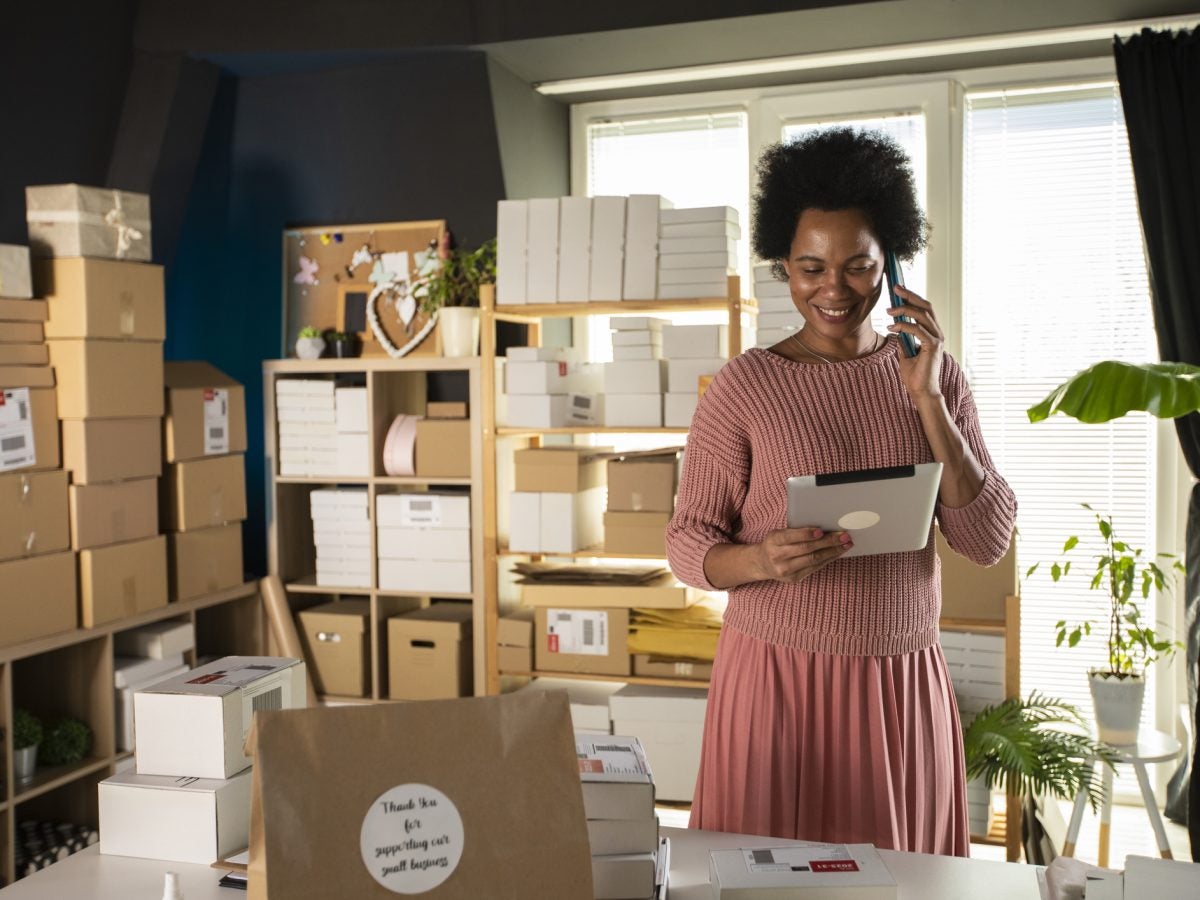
(310, 344)
(67, 741)
(451, 287)
(26, 736)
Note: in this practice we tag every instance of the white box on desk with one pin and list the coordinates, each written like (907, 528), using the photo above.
(695, 341)
(429, 509)
(619, 876)
(625, 352)
(698, 214)
(607, 836)
(704, 290)
(538, 354)
(574, 249)
(808, 869)
(423, 543)
(157, 640)
(354, 454)
(351, 406)
(194, 725)
(616, 778)
(571, 522)
(641, 276)
(684, 374)
(678, 409)
(541, 277)
(608, 248)
(131, 675)
(670, 724)
(633, 410)
(180, 819)
(525, 521)
(425, 576)
(512, 239)
(634, 376)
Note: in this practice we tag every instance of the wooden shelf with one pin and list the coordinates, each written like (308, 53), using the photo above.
(515, 431)
(524, 313)
(586, 553)
(321, 479)
(417, 594)
(370, 364)
(419, 480)
(308, 585)
(624, 679)
(46, 780)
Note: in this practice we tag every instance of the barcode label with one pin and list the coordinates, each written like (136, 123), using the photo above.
(419, 510)
(17, 449)
(267, 700)
(764, 857)
(582, 408)
(216, 421)
(13, 443)
(577, 631)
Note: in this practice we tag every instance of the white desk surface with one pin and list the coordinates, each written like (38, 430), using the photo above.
(89, 876)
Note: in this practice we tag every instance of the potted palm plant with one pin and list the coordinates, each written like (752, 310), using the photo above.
(451, 288)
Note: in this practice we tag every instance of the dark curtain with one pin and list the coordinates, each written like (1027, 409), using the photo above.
(1159, 75)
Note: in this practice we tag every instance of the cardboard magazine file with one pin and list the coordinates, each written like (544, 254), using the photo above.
(430, 798)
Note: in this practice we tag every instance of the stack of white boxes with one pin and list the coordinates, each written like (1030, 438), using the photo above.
(697, 251)
(642, 220)
(691, 351)
(634, 380)
(545, 388)
(342, 537)
(146, 656)
(307, 415)
(778, 318)
(559, 499)
(353, 441)
(189, 800)
(424, 543)
(670, 724)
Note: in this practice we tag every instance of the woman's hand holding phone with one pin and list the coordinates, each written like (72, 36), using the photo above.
(921, 374)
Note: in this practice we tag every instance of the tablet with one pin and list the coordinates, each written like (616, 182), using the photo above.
(884, 510)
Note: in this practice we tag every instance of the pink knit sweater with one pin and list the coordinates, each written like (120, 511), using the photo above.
(766, 418)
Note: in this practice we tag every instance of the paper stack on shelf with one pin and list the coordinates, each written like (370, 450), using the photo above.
(545, 388)
(607, 277)
(691, 351)
(697, 251)
(634, 381)
(642, 216)
(777, 314)
(423, 542)
(558, 500)
(342, 537)
(618, 801)
(306, 413)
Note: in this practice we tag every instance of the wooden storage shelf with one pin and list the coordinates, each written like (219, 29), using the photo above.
(536, 311)
(586, 553)
(417, 595)
(621, 679)
(322, 480)
(54, 777)
(506, 431)
(308, 585)
(405, 480)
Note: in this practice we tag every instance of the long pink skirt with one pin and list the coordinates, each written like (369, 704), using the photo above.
(848, 749)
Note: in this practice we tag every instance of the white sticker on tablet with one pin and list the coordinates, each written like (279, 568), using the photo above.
(412, 838)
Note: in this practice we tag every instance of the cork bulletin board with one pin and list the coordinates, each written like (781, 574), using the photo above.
(329, 270)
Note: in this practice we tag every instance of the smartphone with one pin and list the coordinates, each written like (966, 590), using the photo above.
(891, 268)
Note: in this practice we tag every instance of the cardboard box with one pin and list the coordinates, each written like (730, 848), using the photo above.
(335, 638)
(186, 820)
(446, 409)
(615, 777)
(633, 410)
(15, 281)
(102, 298)
(657, 667)
(37, 597)
(428, 509)
(28, 418)
(662, 593)
(570, 522)
(560, 469)
(684, 375)
(514, 659)
(23, 310)
(159, 640)
(637, 533)
(100, 379)
(205, 560)
(121, 580)
(425, 576)
(194, 725)
(541, 285)
(608, 248)
(644, 481)
(588, 700)
(970, 591)
(113, 513)
(451, 544)
(443, 448)
(512, 238)
(22, 333)
(514, 640)
(696, 342)
(574, 249)
(206, 412)
(429, 653)
(634, 377)
(131, 676)
(669, 722)
(678, 409)
(201, 493)
(100, 450)
(587, 641)
(33, 514)
(24, 355)
(75, 220)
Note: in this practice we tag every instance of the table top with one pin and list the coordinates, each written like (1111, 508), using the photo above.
(1152, 747)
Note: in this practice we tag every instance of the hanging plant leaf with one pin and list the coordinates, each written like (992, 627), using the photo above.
(1110, 389)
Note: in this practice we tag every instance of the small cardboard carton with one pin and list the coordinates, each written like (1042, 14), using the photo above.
(122, 579)
(514, 639)
(191, 820)
(636, 533)
(203, 493)
(335, 636)
(205, 412)
(589, 641)
(15, 281)
(12, 354)
(21, 332)
(102, 298)
(115, 512)
(37, 597)
(103, 450)
(33, 516)
(429, 653)
(102, 379)
(28, 418)
(204, 560)
(658, 667)
(23, 310)
(645, 481)
(76, 220)
(560, 469)
(443, 448)
(616, 777)
(446, 409)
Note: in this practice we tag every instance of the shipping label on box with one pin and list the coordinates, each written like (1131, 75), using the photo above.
(216, 421)
(593, 641)
(33, 514)
(424, 510)
(205, 411)
(577, 631)
(17, 447)
(615, 776)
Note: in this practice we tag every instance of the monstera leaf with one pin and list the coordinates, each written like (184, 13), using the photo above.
(1110, 389)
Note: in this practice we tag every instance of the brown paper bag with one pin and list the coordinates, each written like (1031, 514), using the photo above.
(475, 799)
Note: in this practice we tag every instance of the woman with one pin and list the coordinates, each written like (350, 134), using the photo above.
(831, 715)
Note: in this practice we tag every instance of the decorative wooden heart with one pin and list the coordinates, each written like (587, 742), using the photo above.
(416, 331)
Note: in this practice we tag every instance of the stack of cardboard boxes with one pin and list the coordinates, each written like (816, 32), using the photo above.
(641, 499)
(342, 537)
(105, 330)
(558, 499)
(189, 799)
(692, 353)
(544, 388)
(777, 315)
(634, 381)
(423, 542)
(697, 251)
(204, 480)
(443, 444)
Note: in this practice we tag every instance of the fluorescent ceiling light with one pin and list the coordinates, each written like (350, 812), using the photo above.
(857, 56)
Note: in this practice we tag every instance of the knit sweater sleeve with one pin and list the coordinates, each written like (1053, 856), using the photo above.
(713, 486)
(982, 530)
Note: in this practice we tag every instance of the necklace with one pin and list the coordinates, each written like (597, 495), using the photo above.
(825, 359)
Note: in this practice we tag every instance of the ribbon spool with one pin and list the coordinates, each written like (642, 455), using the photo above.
(399, 447)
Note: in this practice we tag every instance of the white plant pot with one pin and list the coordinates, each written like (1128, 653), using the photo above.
(24, 764)
(1118, 706)
(310, 347)
(979, 808)
(459, 326)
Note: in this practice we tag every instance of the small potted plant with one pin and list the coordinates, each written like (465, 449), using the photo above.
(67, 741)
(452, 289)
(27, 734)
(344, 343)
(309, 343)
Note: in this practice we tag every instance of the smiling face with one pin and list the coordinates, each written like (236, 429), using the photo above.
(835, 270)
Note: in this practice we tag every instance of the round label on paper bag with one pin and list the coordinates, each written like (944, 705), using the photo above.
(412, 838)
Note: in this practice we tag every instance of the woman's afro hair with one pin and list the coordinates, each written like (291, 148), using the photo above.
(833, 169)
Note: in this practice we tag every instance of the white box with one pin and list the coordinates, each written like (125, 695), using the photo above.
(15, 279)
(641, 223)
(730, 230)
(308, 387)
(678, 409)
(351, 404)
(634, 376)
(574, 249)
(425, 510)
(307, 415)
(670, 724)
(512, 239)
(293, 403)
(608, 248)
(339, 577)
(424, 543)
(354, 454)
(683, 375)
(536, 411)
(342, 533)
(190, 820)
(194, 724)
(588, 700)
(343, 554)
(698, 261)
(771, 320)
(780, 304)
(538, 354)
(637, 338)
(158, 640)
(542, 272)
(620, 875)
(125, 688)
(641, 277)
(535, 377)
(857, 872)
(698, 214)
(617, 782)
(772, 288)
(293, 444)
(719, 244)
(692, 276)
(130, 671)
(425, 576)
(637, 323)
(701, 290)
(695, 341)
(633, 410)
(571, 522)
(302, 429)
(525, 521)
(635, 351)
